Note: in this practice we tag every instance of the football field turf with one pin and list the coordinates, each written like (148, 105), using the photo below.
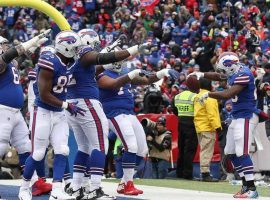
(153, 190)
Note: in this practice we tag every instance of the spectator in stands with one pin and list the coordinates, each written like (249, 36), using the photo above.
(159, 143)
(207, 123)
(183, 107)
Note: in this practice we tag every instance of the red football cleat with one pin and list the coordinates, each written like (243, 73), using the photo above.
(121, 188)
(41, 187)
(131, 190)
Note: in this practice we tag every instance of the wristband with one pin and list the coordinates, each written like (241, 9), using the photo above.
(65, 105)
(133, 50)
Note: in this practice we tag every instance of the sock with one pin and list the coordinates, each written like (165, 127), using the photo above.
(138, 160)
(79, 168)
(29, 168)
(237, 165)
(40, 169)
(87, 172)
(97, 164)
(22, 160)
(128, 164)
(34, 177)
(59, 165)
(247, 168)
(244, 182)
(67, 175)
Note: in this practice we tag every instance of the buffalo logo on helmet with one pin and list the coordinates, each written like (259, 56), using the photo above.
(229, 63)
(90, 33)
(68, 39)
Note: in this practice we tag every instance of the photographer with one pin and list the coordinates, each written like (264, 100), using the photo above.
(159, 143)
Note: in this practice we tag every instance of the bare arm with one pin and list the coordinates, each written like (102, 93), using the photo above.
(45, 80)
(144, 80)
(107, 82)
(227, 94)
(214, 76)
(99, 69)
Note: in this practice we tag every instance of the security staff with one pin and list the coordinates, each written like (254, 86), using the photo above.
(183, 107)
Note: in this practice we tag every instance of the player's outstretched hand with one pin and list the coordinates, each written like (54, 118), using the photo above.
(197, 74)
(116, 43)
(138, 72)
(37, 40)
(74, 110)
(203, 98)
(143, 47)
(170, 73)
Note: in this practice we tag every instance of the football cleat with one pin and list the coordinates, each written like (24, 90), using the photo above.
(25, 194)
(99, 194)
(121, 188)
(68, 189)
(78, 194)
(59, 194)
(248, 195)
(242, 191)
(131, 190)
(41, 187)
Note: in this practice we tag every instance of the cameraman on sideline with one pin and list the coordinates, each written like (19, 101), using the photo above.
(159, 141)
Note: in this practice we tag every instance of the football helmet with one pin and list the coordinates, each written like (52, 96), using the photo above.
(67, 43)
(4, 45)
(47, 49)
(90, 37)
(228, 63)
(117, 66)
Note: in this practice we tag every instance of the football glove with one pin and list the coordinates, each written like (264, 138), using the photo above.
(36, 41)
(116, 43)
(73, 109)
(197, 74)
(170, 73)
(203, 98)
(138, 72)
(138, 48)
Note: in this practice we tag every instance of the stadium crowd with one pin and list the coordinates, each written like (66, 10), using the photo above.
(186, 35)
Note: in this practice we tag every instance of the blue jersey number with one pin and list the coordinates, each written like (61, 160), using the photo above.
(16, 76)
(61, 84)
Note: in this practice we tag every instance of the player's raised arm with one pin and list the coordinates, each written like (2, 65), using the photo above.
(95, 58)
(154, 77)
(20, 49)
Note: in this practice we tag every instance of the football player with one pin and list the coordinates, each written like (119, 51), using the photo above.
(242, 91)
(49, 121)
(13, 127)
(90, 130)
(118, 104)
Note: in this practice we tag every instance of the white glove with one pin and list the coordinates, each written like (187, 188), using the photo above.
(113, 45)
(228, 4)
(133, 74)
(197, 74)
(138, 48)
(263, 85)
(202, 98)
(36, 41)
